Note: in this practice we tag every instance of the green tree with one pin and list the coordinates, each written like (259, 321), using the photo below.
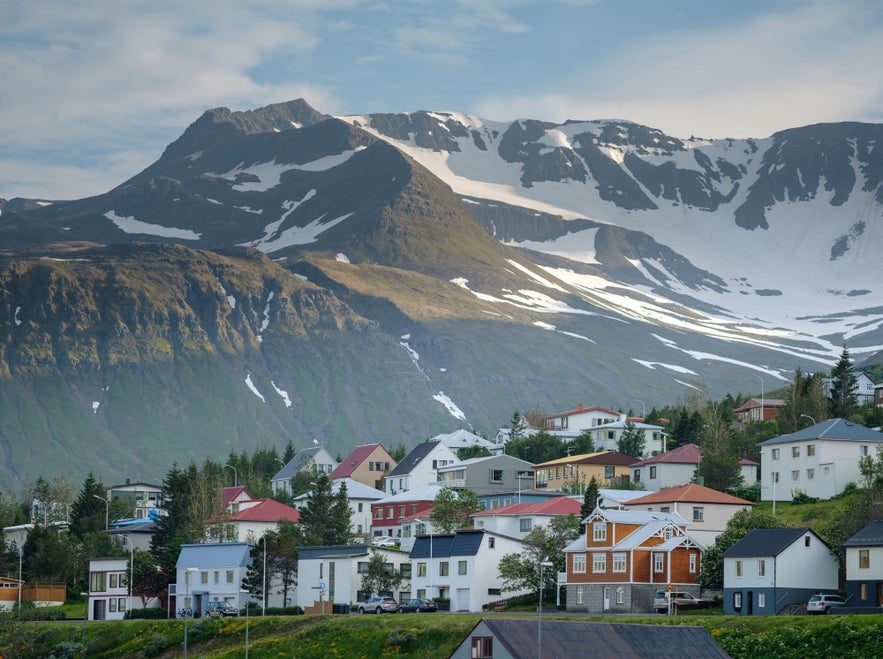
(380, 577)
(719, 465)
(517, 427)
(590, 500)
(89, 510)
(398, 452)
(538, 447)
(583, 443)
(452, 510)
(325, 520)
(52, 555)
(474, 451)
(184, 521)
(632, 440)
(711, 572)
(147, 580)
(844, 401)
(282, 552)
(521, 571)
(805, 395)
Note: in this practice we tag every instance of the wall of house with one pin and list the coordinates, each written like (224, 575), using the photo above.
(871, 577)
(667, 475)
(464, 650)
(813, 567)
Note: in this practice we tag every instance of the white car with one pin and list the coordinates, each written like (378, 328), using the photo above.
(822, 603)
(386, 541)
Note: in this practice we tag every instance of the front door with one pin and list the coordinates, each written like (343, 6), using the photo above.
(750, 602)
(99, 611)
(880, 594)
(606, 598)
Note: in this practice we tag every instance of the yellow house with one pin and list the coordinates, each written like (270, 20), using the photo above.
(608, 468)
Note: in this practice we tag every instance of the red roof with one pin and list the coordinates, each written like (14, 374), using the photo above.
(231, 493)
(358, 455)
(555, 506)
(686, 454)
(689, 493)
(267, 510)
(581, 410)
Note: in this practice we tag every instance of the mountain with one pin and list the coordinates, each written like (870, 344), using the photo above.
(281, 274)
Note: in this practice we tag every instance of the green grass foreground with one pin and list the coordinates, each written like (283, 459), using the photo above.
(426, 636)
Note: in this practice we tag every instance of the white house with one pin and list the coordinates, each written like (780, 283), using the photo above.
(463, 566)
(316, 458)
(465, 439)
(818, 461)
(419, 467)
(519, 519)
(579, 419)
(678, 466)
(212, 572)
(708, 511)
(109, 596)
(145, 498)
(248, 520)
(606, 437)
(334, 574)
(769, 569)
(360, 498)
(389, 513)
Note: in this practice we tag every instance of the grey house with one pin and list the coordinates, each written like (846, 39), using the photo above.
(495, 473)
(864, 566)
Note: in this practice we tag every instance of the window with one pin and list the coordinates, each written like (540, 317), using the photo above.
(496, 475)
(401, 511)
(580, 595)
(482, 647)
(443, 569)
(113, 581)
(599, 563)
(413, 508)
(495, 591)
(619, 562)
(490, 543)
(217, 576)
(652, 472)
(609, 472)
(121, 604)
(810, 474)
(863, 591)
(810, 450)
(611, 434)
(664, 509)
(774, 477)
(203, 576)
(693, 561)
(806, 541)
(775, 454)
(738, 568)
(362, 567)
(461, 567)
(98, 582)
(112, 602)
(390, 512)
(864, 559)
(737, 601)
(761, 600)
(620, 595)
(636, 475)
(405, 570)
(658, 562)
(761, 568)
(557, 472)
(378, 513)
(421, 569)
(579, 563)
(795, 451)
(229, 576)
(525, 524)
(863, 450)
(795, 475)
(698, 513)
(599, 531)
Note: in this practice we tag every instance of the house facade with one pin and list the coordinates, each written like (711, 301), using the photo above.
(316, 458)
(819, 460)
(625, 556)
(606, 437)
(213, 572)
(462, 566)
(606, 467)
(247, 520)
(420, 467)
(708, 511)
(368, 464)
(579, 419)
(679, 466)
(465, 439)
(389, 513)
(495, 473)
(864, 566)
(109, 596)
(517, 520)
(770, 569)
(759, 409)
(145, 498)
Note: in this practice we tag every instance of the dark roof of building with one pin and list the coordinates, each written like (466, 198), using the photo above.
(832, 429)
(870, 536)
(460, 543)
(766, 542)
(565, 638)
(414, 457)
(356, 457)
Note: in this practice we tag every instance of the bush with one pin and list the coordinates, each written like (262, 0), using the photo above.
(155, 645)
(30, 611)
(801, 497)
(280, 611)
(154, 613)
(66, 651)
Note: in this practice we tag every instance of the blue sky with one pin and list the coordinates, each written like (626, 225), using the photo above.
(95, 89)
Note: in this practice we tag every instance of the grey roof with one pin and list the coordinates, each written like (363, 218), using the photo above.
(214, 555)
(460, 543)
(420, 493)
(870, 536)
(414, 457)
(332, 551)
(766, 542)
(832, 429)
(354, 490)
(565, 638)
(293, 466)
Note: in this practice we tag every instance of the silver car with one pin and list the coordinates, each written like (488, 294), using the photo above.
(822, 603)
(379, 605)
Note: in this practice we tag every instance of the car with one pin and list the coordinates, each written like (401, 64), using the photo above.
(679, 599)
(822, 603)
(388, 542)
(220, 610)
(418, 605)
(379, 605)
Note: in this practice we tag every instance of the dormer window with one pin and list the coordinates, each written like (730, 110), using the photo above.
(599, 531)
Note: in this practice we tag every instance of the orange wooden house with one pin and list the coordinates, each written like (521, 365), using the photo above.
(625, 556)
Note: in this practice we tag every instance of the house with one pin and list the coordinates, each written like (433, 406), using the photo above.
(316, 458)
(707, 510)
(10, 592)
(759, 409)
(388, 514)
(415, 525)
(109, 596)
(134, 532)
(679, 466)
(419, 467)
(465, 439)
(625, 556)
(864, 566)
(487, 475)
(461, 566)
(334, 575)
(145, 498)
(770, 569)
(606, 437)
(527, 495)
(819, 460)
(606, 467)
(864, 388)
(579, 419)
(518, 638)
(519, 519)
(247, 520)
(212, 572)
(359, 496)
(368, 464)
(617, 499)
(878, 395)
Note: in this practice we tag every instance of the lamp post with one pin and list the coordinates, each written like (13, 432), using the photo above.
(243, 590)
(131, 571)
(187, 572)
(264, 592)
(808, 417)
(85, 617)
(18, 546)
(540, 612)
(643, 409)
(106, 511)
(235, 475)
(761, 397)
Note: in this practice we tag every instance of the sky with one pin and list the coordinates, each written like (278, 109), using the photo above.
(94, 90)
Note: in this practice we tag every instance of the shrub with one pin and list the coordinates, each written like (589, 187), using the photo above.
(66, 650)
(154, 613)
(800, 497)
(155, 645)
(280, 611)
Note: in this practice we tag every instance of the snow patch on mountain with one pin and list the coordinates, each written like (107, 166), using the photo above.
(253, 388)
(269, 174)
(452, 408)
(282, 394)
(130, 225)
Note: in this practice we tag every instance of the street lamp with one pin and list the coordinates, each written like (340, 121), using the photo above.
(808, 417)
(235, 475)
(187, 572)
(540, 612)
(131, 571)
(18, 546)
(85, 617)
(106, 510)
(242, 590)
(643, 409)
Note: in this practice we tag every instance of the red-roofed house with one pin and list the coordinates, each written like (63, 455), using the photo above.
(708, 511)
(678, 466)
(517, 520)
(582, 418)
(367, 464)
(759, 409)
(246, 520)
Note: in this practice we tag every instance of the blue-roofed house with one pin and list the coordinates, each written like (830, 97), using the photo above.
(419, 467)
(770, 569)
(315, 458)
(818, 461)
(462, 566)
(210, 572)
(864, 566)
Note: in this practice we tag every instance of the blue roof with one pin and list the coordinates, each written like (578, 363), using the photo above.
(832, 429)
(214, 555)
(461, 543)
(294, 465)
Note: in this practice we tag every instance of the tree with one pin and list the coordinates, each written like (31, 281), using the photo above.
(52, 555)
(452, 510)
(631, 442)
(844, 401)
(325, 520)
(398, 452)
(543, 544)
(380, 577)
(805, 395)
(517, 427)
(88, 512)
(474, 451)
(711, 572)
(590, 500)
(719, 464)
(147, 581)
(282, 555)
(583, 443)
(538, 447)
